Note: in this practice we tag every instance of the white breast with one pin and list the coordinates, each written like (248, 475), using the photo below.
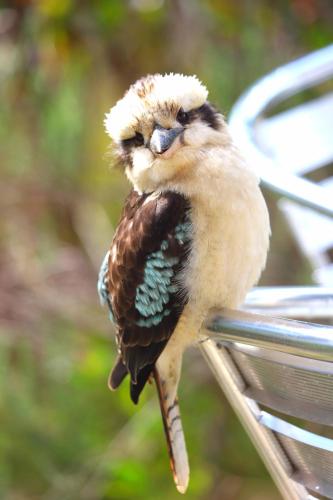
(230, 234)
(230, 242)
(230, 239)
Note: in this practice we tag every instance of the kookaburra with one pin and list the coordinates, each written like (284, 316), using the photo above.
(193, 235)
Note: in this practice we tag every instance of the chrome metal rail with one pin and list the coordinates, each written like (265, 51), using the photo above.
(248, 412)
(271, 90)
(309, 340)
(287, 366)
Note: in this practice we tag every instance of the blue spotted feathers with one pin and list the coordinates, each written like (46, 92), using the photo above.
(153, 294)
(102, 285)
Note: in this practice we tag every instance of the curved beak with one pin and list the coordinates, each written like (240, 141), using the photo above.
(162, 138)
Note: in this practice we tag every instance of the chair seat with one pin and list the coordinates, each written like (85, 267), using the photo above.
(312, 455)
(274, 372)
(293, 385)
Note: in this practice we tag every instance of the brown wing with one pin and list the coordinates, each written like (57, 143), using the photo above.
(148, 251)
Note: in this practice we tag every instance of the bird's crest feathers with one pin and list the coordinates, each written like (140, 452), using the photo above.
(170, 91)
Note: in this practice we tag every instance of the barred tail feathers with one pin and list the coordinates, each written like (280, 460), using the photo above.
(174, 435)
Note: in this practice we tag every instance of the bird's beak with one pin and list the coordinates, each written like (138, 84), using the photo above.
(162, 139)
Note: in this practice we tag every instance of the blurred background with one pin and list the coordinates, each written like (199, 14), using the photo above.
(63, 64)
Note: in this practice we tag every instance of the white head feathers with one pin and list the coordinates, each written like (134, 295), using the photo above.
(154, 91)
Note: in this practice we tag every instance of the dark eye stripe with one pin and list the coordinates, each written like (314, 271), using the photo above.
(135, 141)
(125, 148)
(207, 113)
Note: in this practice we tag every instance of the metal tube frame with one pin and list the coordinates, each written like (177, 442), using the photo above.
(284, 82)
(310, 340)
(250, 415)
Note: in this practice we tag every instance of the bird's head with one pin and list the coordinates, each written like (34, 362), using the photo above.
(162, 127)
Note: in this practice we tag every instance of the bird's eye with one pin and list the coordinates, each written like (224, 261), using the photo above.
(182, 117)
(135, 141)
(138, 140)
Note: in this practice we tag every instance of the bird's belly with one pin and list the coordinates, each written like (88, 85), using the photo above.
(230, 239)
(228, 255)
(223, 265)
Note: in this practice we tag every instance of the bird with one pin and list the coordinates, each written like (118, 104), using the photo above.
(193, 236)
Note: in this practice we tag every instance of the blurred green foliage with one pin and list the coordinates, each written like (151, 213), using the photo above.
(63, 63)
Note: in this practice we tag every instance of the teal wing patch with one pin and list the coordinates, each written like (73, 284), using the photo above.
(159, 280)
(102, 286)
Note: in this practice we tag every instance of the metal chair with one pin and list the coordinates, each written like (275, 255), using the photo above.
(278, 373)
(293, 145)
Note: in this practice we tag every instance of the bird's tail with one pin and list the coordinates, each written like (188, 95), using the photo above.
(174, 435)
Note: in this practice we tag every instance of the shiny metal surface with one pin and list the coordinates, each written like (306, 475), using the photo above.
(311, 454)
(270, 90)
(282, 358)
(299, 139)
(300, 387)
(287, 366)
(313, 233)
(248, 412)
(293, 432)
(308, 302)
(289, 336)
